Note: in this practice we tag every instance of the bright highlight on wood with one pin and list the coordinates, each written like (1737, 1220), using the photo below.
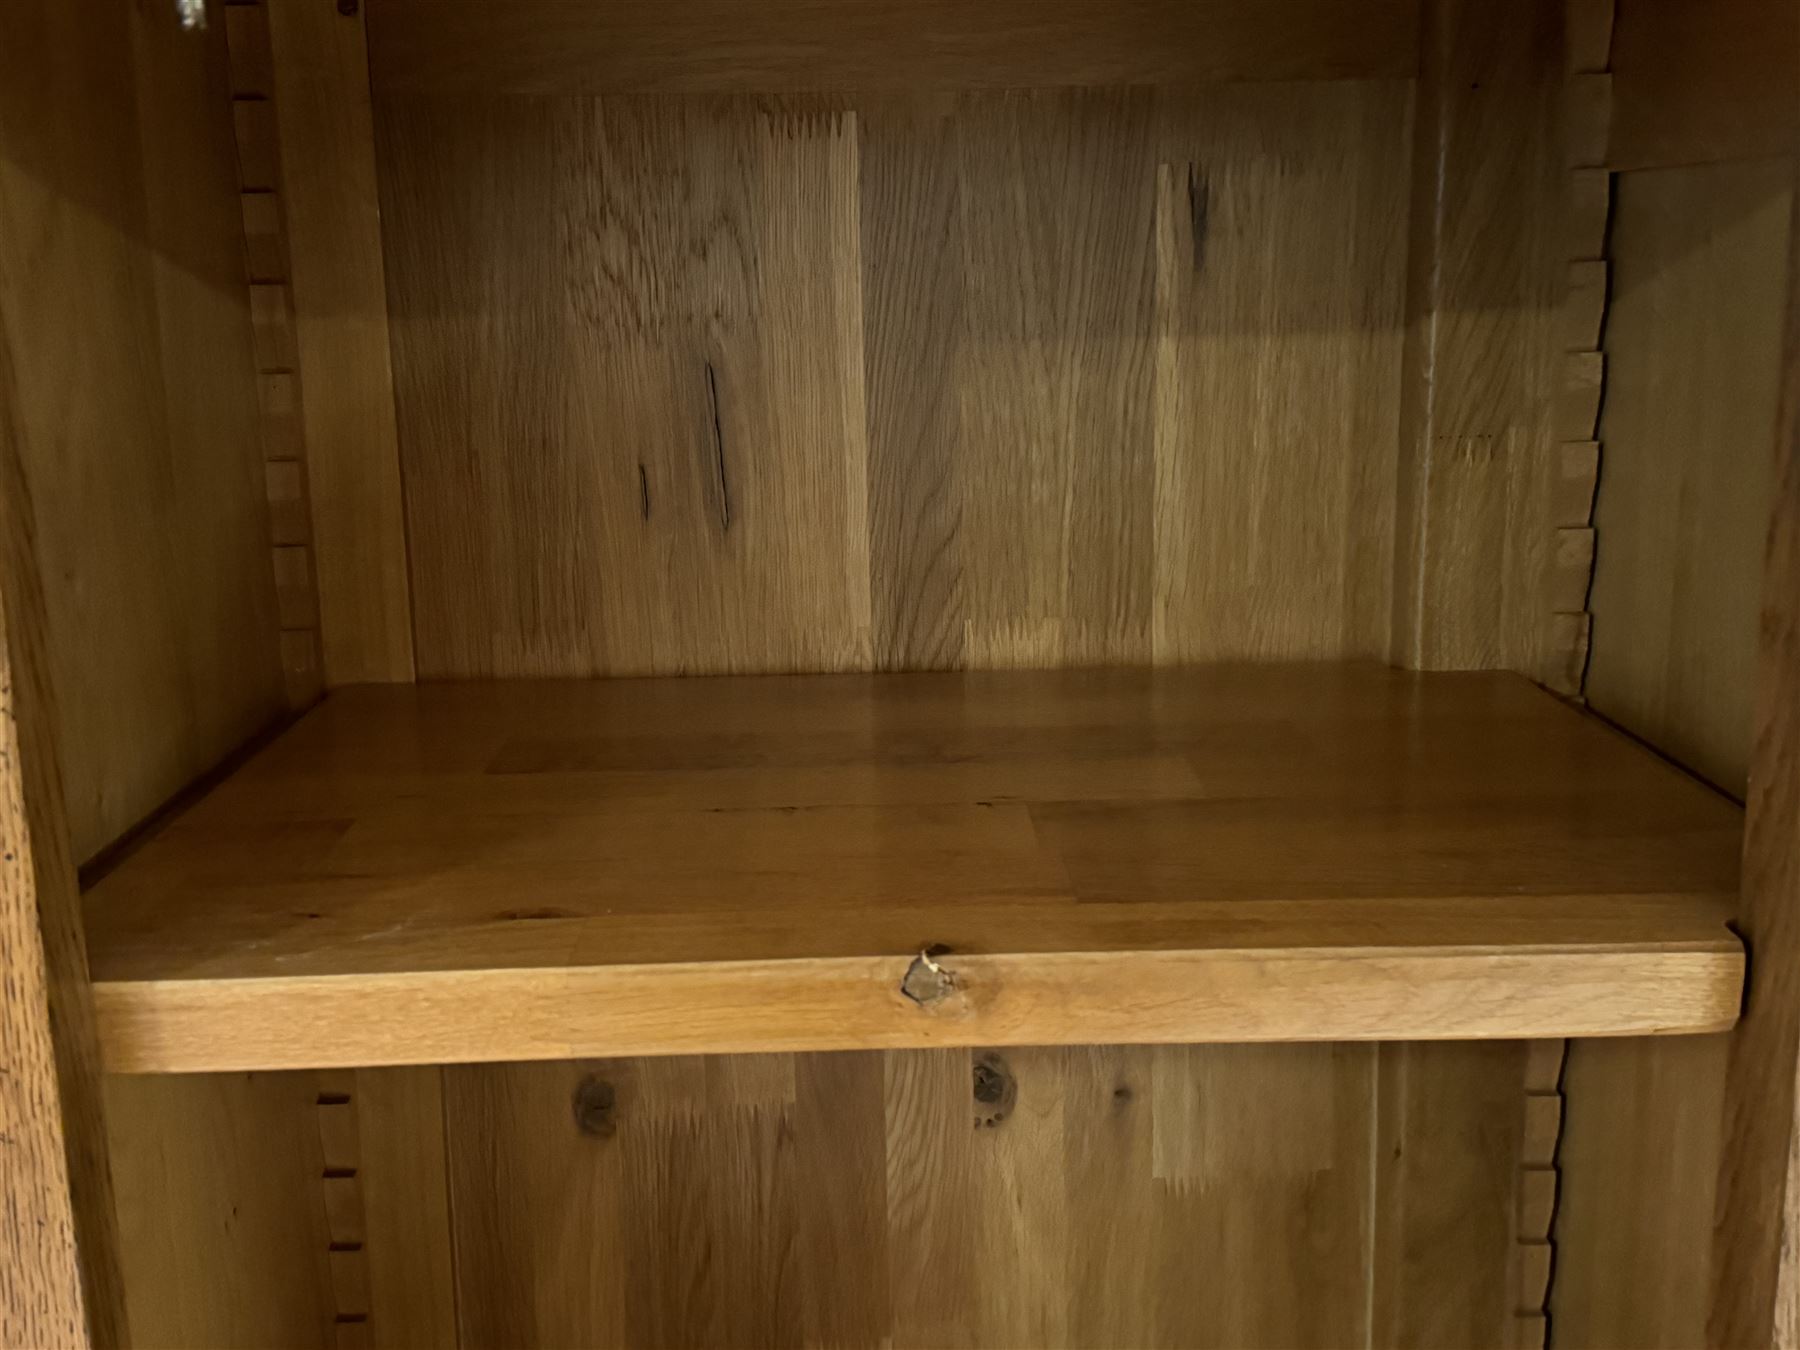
(534, 870)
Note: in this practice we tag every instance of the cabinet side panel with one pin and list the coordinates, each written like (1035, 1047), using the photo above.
(1634, 1224)
(222, 1238)
(1693, 348)
(122, 290)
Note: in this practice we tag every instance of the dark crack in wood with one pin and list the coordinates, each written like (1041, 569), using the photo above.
(718, 430)
(1199, 193)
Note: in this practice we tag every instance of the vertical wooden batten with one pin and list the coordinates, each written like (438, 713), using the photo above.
(1756, 1265)
(1473, 551)
(278, 380)
(1534, 1254)
(1587, 116)
(60, 1282)
(337, 279)
(341, 1191)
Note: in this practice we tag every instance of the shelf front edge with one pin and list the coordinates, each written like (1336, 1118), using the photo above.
(858, 1003)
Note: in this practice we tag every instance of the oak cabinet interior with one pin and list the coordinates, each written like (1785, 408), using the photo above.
(893, 672)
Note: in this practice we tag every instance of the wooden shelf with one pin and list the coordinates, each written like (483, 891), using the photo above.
(536, 870)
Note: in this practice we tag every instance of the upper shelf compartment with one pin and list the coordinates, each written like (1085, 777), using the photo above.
(782, 46)
(524, 870)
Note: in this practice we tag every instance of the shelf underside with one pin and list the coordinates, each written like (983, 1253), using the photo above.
(550, 870)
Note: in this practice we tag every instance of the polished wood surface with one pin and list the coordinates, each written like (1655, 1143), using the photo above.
(1455, 1130)
(745, 385)
(715, 46)
(770, 854)
(1693, 363)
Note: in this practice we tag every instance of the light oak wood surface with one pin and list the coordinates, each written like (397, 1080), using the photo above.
(991, 379)
(1639, 1167)
(1486, 268)
(327, 178)
(1104, 1196)
(1125, 855)
(925, 1198)
(121, 281)
(1693, 361)
(222, 1238)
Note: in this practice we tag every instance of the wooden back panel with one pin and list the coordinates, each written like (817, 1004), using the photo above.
(738, 384)
(1293, 1195)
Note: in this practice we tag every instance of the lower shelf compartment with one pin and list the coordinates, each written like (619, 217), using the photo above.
(532, 870)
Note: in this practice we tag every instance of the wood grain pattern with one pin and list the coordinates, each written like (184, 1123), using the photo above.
(1487, 268)
(1602, 979)
(251, 61)
(696, 429)
(1704, 81)
(1085, 1196)
(1043, 826)
(60, 1281)
(405, 1199)
(986, 1197)
(1756, 1283)
(121, 283)
(223, 1237)
(1450, 1139)
(327, 176)
(1693, 350)
(1586, 124)
(1273, 525)
(1578, 397)
(816, 386)
(785, 46)
(1640, 1159)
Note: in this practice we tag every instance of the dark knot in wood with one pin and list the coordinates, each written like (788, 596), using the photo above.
(596, 1107)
